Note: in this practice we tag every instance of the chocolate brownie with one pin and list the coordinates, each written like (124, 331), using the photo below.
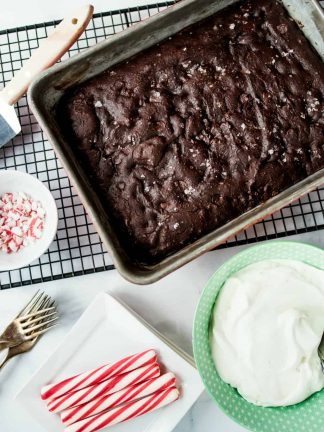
(193, 132)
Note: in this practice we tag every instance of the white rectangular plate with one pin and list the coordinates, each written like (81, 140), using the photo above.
(106, 332)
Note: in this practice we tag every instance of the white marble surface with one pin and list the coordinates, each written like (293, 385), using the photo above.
(168, 305)
(34, 11)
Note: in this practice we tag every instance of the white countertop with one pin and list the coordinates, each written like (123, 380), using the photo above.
(168, 305)
(37, 11)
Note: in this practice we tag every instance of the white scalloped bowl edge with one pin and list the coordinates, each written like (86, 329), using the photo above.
(17, 181)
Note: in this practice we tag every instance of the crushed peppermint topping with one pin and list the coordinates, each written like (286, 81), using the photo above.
(202, 70)
(186, 64)
(232, 26)
(243, 126)
(21, 221)
(313, 105)
(189, 190)
(176, 225)
(98, 104)
(285, 54)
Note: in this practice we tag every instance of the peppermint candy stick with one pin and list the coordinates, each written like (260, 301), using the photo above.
(126, 412)
(128, 394)
(98, 375)
(112, 385)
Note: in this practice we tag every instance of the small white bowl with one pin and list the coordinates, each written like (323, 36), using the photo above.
(17, 181)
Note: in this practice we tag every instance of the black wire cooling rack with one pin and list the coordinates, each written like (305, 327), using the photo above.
(77, 248)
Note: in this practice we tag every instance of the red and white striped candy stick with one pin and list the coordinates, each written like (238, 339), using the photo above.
(128, 394)
(98, 375)
(125, 412)
(109, 386)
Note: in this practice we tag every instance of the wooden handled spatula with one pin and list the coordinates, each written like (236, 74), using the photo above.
(50, 50)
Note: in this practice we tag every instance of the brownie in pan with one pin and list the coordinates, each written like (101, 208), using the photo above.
(195, 131)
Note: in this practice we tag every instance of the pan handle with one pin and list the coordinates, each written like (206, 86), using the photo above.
(51, 50)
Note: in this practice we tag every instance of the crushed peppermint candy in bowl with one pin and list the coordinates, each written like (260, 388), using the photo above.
(21, 221)
(28, 219)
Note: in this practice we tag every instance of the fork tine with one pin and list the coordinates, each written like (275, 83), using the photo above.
(27, 307)
(46, 303)
(43, 302)
(40, 332)
(39, 326)
(39, 301)
(38, 316)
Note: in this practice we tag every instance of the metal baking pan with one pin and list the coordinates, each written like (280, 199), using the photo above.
(49, 87)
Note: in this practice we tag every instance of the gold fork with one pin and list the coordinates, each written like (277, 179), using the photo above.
(35, 319)
(26, 346)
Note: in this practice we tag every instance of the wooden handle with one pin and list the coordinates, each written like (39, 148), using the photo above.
(51, 50)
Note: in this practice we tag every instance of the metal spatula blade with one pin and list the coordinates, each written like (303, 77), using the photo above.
(51, 50)
(9, 124)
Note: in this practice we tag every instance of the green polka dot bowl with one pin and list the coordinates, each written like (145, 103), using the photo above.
(307, 416)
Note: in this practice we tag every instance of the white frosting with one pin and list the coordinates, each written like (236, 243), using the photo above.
(267, 324)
